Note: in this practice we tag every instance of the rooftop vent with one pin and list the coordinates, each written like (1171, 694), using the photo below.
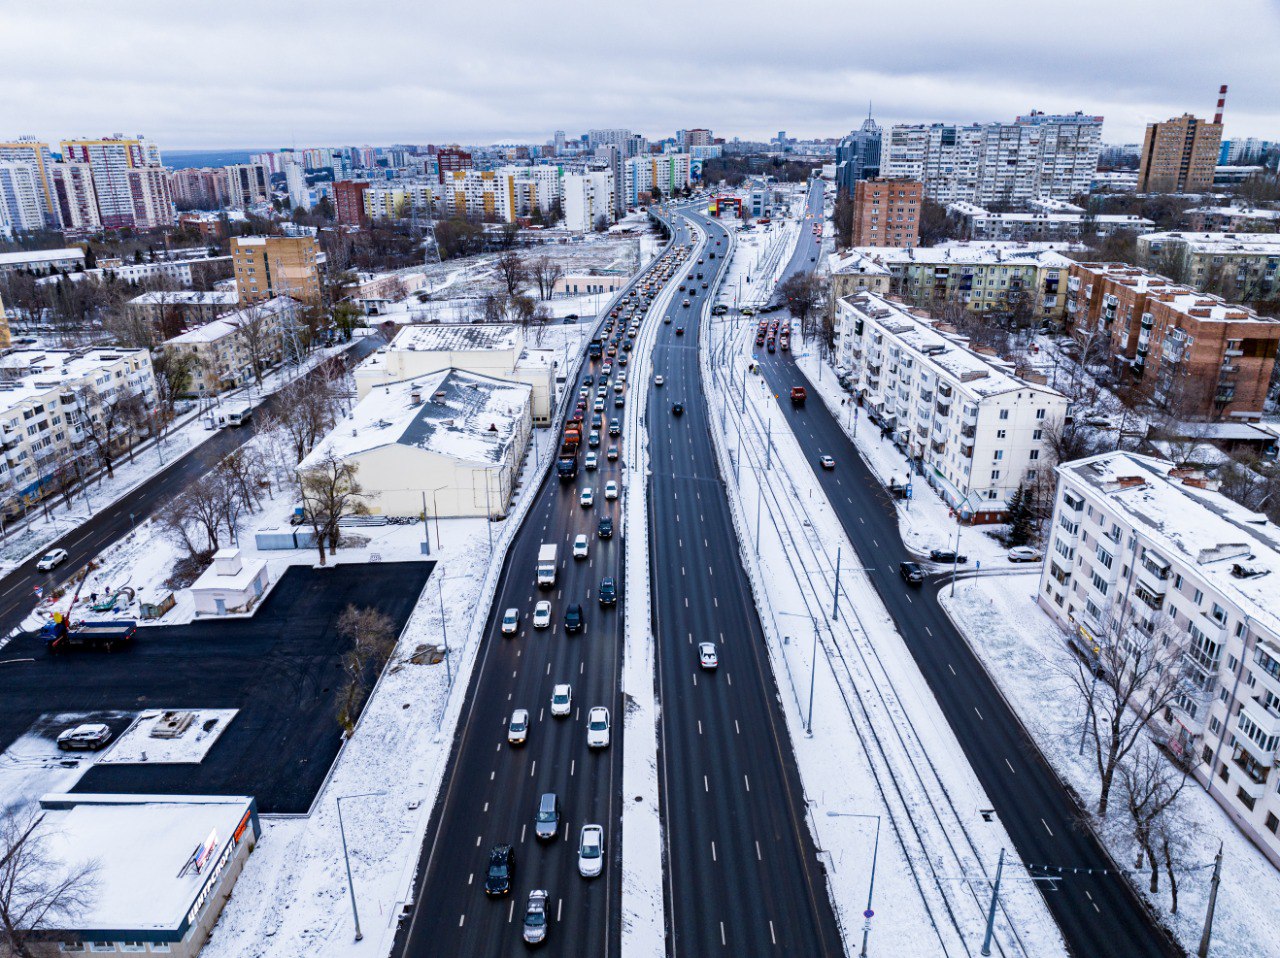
(1247, 572)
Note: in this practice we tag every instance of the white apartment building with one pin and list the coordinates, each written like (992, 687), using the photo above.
(1239, 265)
(76, 197)
(666, 171)
(401, 199)
(1052, 225)
(36, 154)
(975, 430)
(224, 350)
(1135, 539)
(534, 188)
(46, 397)
(128, 197)
(587, 196)
(21, 200)
(295, 181)
(1036, 155)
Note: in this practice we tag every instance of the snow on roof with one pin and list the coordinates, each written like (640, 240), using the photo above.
(185, 297)
(140, 844)
(457, 337)
(231, 322)
(1264, 244)
(1241, 212)
(873, 259)
(1207, 530)
(461, 415)
(25, 257)
(30, 374)
(979, 375)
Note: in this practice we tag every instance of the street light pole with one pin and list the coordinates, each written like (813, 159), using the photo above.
(351, 888)
(871, 887)
(991, 913)
(813, 676)
(426, 529)
(444, 631)
(835, 590)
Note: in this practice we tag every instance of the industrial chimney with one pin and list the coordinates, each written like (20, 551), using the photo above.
(1222, 100)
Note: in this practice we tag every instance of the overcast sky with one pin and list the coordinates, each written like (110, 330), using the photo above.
(268, 73)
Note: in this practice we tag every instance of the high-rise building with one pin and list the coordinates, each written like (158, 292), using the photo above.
(588, 196)
(401, 200)
(858, 155)
(690, 138)
(202, 189)
(615, 137)
(887, 212)
(559, 142)
(1178, 156)
(76, 198)
(348, 196)
(452, 161)
(666, 172)
(295, 181)
(248, 184)
(21, 198)
(1037, 155)
(36, 153)
(125, 201)
(271, 266)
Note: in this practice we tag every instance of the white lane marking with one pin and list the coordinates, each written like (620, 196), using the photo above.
(713, 852)
(1046, 826)
(975, 708)
(1006, 761)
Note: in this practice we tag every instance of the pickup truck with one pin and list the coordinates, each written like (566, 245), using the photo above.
(798, 395)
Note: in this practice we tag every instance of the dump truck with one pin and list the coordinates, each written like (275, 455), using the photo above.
(108, 635)
(547, 565)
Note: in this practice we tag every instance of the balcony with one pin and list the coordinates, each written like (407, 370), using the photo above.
(966, 451)
(944, 391)
(1153, 599)
(926, 396)
(1147, 321)
(873, 369)
(968, 432)
(939, 446)
(1266, 719)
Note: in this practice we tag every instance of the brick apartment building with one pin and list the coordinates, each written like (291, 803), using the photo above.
(348, 196)
(452, 161)
(1210, 358)
(1179, 155)
(886, 212)
(270, 266)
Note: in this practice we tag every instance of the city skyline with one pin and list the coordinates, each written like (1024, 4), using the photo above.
(200, 86)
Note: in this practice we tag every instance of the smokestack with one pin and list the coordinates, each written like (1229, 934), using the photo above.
(1222, 100)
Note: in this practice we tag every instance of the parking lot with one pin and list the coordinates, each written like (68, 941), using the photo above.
(280, 669)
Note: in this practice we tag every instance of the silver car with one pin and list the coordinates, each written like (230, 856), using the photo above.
(598, 727)
(591, 851)
(535, 918)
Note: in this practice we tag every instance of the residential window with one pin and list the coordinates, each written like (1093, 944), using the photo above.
(999, 454)
(1040, 413)
(1100, 584)
(1004, 414)
(995, 474)
(1198, 597)
(1104, 557)
(1037, 435)
(1034, 454)
(1000, 433)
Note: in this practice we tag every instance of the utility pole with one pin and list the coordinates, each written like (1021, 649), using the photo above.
(991, 913)
(426, 528)
(835, 590)
(769, 443)
(1203, 950)
(813, 675)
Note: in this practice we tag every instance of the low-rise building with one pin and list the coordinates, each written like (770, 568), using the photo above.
(227, 350)
(165, 867)
(975, 431)
(984, 277)
(1203, 357)
(57, 406)
(171, 311)
(1135, 540)
(43, 261)
(231, 585)
(975, 222)
(449, 441)
(497, 350)
(1240, 266)
(374, 292)
(579, 284)
(1233, 219)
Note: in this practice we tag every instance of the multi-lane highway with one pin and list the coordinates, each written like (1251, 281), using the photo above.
(742, 872)
(1097, 913)
(492, 790)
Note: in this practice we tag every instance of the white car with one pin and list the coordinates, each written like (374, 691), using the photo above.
(591, 851)
(1023, 554)
(611, 490)
(510, 621)
(707, 657)
(561, 700)
(588, 497)
(542, 615)
(658, 380)
(52, 559)
(592, 461)
(598, 727)
(580, 547)
(598, 405)
(518, 729)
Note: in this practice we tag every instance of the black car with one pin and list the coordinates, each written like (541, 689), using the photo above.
(677, 409)
(604, 528)
(679, 330)
(947, 555)
(608, 591)
(501, 871)
(912, 572)
(573, 618)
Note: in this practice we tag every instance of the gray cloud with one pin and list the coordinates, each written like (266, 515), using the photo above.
(278, 73)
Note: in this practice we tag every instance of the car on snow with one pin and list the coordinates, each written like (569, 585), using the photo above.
(947, 555)
(912, 572)
(1024, 554)
(85, 738)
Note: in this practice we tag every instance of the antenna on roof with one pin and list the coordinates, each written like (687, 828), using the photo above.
(1222, 100)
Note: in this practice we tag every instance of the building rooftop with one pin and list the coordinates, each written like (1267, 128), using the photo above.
(874, 259)
(185, 297)
(29, 374)
(24, 257)
(211, 332)
(1203, 528)
(144, 846)
(457, 337)
(461, 415)
(1267, 244)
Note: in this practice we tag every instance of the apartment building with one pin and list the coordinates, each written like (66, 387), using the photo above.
(642, 174)
(886, 212)
(858, 155)
(401, 199)
(1240, 266)
(587, 197)
(248, 185)
(129, 181)
(1138, 541)
(451, 161)
(6, 338)
(1054, 226)
(1202, 356)
(1235, 218)
(203, 189)
(171, 311)
(975, 431)
(487, 194)
(43, 262)
(21, 200)
(1179, 155)
(224, 351)
(267, 267)
(52, 402)
(36, 154)
(77, 198)
(348, 197)
(985, 277)
(1036, 155)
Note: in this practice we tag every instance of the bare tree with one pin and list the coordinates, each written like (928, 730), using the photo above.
(306, 411)
(511, 270)
(802, 292)
(260, 332)
(546, 272)
(106, 425)
(244, 470)
(1151, 785)
(372, 637)
(1066, 440)
(330, 490)
(1132, 672)
(37, 890)
(843, 219)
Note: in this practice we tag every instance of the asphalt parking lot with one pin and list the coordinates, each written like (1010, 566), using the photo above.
(279, 668)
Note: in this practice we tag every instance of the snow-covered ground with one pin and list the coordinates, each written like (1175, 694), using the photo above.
(1025, 653)
(138, 746)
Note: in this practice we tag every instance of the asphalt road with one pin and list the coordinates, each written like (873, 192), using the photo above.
(17, 596)
(1097, 914)
(742, 872)
(491, 792)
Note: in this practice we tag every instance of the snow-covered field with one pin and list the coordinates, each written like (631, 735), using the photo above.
(137, 746)
(1025, 653)
(878, 754)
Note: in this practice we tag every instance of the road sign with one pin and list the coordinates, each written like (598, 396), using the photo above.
(868, 913)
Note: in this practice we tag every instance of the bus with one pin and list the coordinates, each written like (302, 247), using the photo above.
(239, 417)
